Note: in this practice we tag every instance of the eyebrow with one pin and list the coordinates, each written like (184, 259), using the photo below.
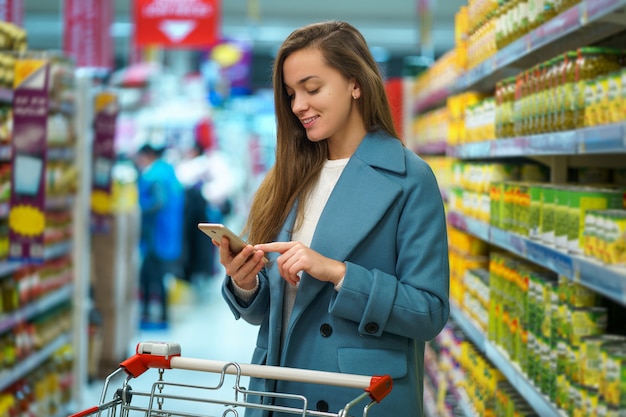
(304, 80)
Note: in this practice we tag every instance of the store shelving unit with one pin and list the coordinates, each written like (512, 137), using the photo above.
(587, 23)
(32, 362)
(592, 140)
(499, 358)
(64, 294)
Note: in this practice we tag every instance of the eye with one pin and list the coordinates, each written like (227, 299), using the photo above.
(317, 90)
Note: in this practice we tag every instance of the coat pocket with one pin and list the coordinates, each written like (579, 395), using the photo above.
(372, 362)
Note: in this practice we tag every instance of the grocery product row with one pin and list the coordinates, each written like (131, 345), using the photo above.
(465, 382)
(44, 384)
(576, 90)
(585, 23)
(561, 344)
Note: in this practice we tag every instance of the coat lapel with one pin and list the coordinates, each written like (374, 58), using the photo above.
(359, 200)
(277, 291)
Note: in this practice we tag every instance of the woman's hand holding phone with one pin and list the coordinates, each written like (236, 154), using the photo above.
(241, 261)
(242, 267)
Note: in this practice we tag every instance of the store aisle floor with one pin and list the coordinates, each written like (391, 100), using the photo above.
(205, 328)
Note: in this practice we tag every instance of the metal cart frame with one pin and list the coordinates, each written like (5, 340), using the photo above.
(162, 356)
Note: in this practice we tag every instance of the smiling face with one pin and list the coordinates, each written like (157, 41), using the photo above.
(324, 101)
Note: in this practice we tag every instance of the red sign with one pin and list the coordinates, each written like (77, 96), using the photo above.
(87, 36)
(393, 87)
(177, 23)
(12, 11)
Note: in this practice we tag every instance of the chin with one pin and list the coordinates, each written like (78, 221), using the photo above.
(315, 138)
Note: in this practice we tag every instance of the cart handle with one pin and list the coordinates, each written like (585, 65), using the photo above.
(167, 356)
(377, 386)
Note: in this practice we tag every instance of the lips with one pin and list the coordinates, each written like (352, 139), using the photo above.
(308, 121)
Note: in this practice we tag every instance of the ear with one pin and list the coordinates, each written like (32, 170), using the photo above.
(356, 89)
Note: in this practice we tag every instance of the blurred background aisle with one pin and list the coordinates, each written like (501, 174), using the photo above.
(206, 329)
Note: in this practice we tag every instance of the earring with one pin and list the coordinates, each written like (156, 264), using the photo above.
(354, 96)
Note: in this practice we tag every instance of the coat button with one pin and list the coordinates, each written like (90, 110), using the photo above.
(371, 327)
(326, 330)
(322, 406)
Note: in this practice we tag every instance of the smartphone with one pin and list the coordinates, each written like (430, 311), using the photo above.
(216, 230)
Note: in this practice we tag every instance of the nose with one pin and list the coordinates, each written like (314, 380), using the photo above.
(298, 103)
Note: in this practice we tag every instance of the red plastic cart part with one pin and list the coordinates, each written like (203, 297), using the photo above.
(379, 387)
(141, 362)
(87, 412)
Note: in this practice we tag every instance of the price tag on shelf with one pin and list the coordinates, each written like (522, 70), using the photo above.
(27, 219)
(596, 9)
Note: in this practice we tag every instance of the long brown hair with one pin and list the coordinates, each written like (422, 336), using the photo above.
(298, 160)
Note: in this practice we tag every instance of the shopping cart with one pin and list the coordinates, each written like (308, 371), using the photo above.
(162, 356)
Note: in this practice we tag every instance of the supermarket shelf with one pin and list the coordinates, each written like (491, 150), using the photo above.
(602, 139)
(8, 267)
(8, 321)
(57, 249)
(463, 404)
(6, 95)
(470, 329)
(607, 280)
(64, 107)
(435, 148)
(539, 402)
(583, 24)
(60, 202)
(50, 252)
(55, 153)
(431, 100)
(592, 140)
(5, 152)
(62, 153)
(26, 366)
(52, 203)
(469, 225)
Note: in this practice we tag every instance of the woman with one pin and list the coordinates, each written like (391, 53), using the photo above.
(358, 274)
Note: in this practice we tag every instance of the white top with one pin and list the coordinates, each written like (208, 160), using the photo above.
(313, 206)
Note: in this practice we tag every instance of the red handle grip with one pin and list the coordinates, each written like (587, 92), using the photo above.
(141, 362)
(150, 355)
(379, 387)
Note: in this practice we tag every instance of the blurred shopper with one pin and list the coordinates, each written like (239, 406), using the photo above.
(220, 182)
(358, 276)
(161, 200)
(209, 185)
(198, 258)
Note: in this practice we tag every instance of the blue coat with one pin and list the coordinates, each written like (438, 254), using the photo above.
(385, 220)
